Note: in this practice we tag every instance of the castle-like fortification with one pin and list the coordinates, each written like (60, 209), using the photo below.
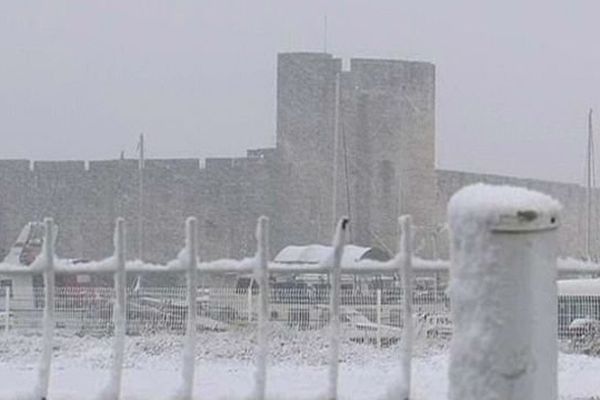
(382, 125)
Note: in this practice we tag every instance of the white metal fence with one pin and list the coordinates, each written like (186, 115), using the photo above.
(103, 310)
(379, 316)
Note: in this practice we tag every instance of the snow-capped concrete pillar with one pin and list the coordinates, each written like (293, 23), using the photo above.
(503, 294)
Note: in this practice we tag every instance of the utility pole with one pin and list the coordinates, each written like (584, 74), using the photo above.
(141, 199)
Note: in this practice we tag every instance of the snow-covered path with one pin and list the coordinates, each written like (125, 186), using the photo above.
(152, 370)
(220, 380)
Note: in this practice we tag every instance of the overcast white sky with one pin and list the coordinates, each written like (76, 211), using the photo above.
(81, 79)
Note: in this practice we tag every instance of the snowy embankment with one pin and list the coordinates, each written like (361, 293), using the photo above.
(225, 370)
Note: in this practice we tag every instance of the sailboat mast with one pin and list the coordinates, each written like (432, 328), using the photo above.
(141, 198)
(339, 145)
(336, 150)
(590, 184)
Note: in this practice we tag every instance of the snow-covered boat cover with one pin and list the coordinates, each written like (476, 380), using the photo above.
(316, 253)
(579, 287)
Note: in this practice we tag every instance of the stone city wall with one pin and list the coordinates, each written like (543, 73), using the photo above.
(85, 199)
(573, 198)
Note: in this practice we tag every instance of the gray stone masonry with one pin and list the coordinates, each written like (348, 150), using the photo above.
(385, 168)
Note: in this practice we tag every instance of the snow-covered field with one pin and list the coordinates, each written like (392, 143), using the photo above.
(224, 362)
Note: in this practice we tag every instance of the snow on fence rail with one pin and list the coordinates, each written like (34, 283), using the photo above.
(49, 265)
(247, 265)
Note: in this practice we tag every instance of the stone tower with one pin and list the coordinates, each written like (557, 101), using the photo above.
(389, 130)
(385, 144)
(305, 115)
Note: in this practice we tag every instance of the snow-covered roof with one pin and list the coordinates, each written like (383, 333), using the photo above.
(315, 253)
(579, 287)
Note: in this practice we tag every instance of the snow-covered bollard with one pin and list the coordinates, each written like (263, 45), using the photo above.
(503, 294)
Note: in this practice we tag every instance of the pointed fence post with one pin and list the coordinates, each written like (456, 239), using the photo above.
(262, 276)
(113, 390)
(334, 308)
(189, 347)
(407, 283)
(41, 390)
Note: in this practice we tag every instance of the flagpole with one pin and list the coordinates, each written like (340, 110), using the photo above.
(141, 199)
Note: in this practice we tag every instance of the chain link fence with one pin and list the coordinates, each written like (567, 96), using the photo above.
(369, 313)
(373, 316)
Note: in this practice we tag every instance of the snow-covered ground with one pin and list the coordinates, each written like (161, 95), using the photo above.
(224, 367)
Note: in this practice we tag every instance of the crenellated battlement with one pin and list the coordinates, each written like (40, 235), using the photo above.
(381, 165)
(111, 166)
(86, 197)
(15, 166)
(59, 167)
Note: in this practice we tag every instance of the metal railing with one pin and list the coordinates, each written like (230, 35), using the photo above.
(120, 312)
(380, 316)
